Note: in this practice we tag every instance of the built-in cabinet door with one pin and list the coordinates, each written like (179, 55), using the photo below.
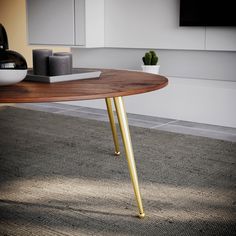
(51, 22)
(80, 37)
(89, 23)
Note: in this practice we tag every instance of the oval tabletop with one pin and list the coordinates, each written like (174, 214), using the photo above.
(111, 83)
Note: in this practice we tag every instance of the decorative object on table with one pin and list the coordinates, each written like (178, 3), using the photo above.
(60, 65)
(150, 60)
(77, 74)
(40, 61)
(13, 66)
(65, 54)
(49, 67)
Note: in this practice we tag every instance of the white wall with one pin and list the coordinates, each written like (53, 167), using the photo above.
(213, 65)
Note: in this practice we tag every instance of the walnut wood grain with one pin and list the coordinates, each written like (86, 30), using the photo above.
(112, 83)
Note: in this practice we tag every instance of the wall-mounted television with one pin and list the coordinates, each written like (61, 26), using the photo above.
(207, 13)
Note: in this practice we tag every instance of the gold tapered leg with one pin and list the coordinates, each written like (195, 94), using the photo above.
(113, 126)
(123, 121)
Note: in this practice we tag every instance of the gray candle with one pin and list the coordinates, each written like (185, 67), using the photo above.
(40, 61)
(65, 54)
(59, 65)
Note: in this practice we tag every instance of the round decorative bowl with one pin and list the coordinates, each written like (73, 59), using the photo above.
(8, 77)
(13, 67)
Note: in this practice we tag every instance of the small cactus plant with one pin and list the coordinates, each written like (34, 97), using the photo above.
(150, 58)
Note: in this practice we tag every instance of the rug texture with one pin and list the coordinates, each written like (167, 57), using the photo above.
(58, 176)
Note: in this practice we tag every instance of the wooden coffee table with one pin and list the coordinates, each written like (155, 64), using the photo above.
(111, 84)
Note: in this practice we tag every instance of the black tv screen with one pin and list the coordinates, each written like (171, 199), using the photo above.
(207, 13)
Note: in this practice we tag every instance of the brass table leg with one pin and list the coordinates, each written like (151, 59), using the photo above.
(123, 121)
(113, 126)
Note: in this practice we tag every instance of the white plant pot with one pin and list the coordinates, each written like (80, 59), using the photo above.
(151, 69)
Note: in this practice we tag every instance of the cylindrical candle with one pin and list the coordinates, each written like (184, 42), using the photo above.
(40, 61)
(59, 65)
(65, 54)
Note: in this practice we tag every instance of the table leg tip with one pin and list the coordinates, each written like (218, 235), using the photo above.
(117, 153)
(141, 215)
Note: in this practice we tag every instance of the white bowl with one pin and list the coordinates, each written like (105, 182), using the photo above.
(12, 76)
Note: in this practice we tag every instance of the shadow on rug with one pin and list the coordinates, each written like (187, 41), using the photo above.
(58, 177)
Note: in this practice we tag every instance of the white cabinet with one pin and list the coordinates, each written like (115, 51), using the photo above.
(66, 22)
(149, 24)
(221, 38)
(51, 22)
(89, 23)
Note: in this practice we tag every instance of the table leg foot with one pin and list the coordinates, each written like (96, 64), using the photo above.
(123, 122)
(113, 126)
(141, 215)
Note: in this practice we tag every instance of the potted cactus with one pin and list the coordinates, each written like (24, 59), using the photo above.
(150, 60)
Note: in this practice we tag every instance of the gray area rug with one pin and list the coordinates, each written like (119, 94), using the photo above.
(58, 176)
